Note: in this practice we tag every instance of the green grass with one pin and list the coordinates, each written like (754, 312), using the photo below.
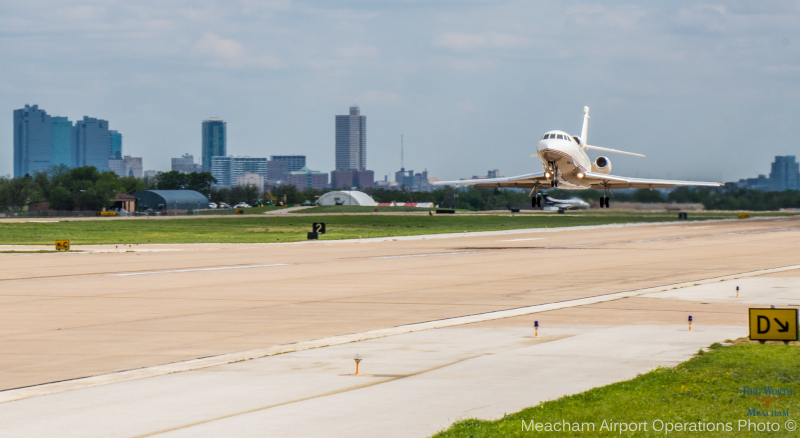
(707, 388)
(269, 228)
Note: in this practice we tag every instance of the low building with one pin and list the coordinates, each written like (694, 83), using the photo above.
(251, 180)
(126, 166)
(349, 197)
(160, 200)
(227, 169)
(186, 164)
(306, 177)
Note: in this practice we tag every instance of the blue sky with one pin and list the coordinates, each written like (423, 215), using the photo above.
(705, 90)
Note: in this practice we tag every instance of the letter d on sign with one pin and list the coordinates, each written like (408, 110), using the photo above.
(765, 319)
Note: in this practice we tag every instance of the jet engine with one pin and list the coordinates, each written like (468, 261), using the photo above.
(601, 165)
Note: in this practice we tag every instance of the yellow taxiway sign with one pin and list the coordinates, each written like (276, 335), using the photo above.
(773, 324)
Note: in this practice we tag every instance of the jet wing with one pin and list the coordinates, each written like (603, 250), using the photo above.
(526, 181)
(600, 180)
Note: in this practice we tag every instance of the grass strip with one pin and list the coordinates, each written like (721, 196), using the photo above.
(701, 397)
(287, 228)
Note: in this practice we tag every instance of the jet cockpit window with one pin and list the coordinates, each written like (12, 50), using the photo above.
(545, 136)
(560, 137)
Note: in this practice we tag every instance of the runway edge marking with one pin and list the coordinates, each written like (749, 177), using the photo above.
(197, 364)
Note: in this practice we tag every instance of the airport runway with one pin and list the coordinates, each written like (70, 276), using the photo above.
(72, 315)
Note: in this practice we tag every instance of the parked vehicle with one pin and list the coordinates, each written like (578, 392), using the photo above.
(224, 205)
(212, 205)
(242, 205)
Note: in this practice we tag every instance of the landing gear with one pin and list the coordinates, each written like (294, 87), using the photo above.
(536, 201)
(604, 200)
(553, 169)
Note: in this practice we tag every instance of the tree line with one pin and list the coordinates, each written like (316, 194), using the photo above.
(87, 189)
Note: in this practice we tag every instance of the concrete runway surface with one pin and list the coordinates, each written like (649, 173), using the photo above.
(612, 302)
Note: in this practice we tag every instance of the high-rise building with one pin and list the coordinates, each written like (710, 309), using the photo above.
(185, 164)
(114, 144)
(214, 141)
(90, 139)
(228, 169)
(32, 142)
(293, 162)
(60, 141)
(351, 141)
(784, 175)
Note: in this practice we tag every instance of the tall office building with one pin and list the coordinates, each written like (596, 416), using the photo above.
(90, 140)
(31, 140)
(227, 170)
(293, 162)
(784, 175)
(351, 141)
(214, 141)
(60, 141)
(114, 144)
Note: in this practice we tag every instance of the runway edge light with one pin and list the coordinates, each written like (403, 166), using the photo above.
(358, 361)
(535, 329)
(690, 322)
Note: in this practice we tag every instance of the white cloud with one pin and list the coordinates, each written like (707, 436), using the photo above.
(467, 42)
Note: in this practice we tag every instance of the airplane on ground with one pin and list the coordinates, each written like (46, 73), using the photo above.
(566, 204)
(565, 164)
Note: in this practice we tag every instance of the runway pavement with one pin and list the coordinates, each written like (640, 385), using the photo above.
(72, 315)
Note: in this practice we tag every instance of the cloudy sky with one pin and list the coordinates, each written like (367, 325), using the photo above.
(705, 90)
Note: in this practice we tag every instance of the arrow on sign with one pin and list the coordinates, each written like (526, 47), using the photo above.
(783, 328)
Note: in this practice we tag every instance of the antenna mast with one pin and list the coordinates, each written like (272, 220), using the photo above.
(401, 152)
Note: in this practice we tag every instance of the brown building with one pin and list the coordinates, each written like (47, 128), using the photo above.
(306, 177)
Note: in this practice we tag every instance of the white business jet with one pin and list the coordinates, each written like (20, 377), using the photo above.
(565, 164)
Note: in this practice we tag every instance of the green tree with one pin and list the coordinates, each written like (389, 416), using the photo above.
(61, 199)
(200, 182)
(172, 180)
(17, 193)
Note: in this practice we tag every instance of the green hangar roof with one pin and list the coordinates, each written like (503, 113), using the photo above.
(170, 200)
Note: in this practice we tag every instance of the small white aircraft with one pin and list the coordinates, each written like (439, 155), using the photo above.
(566, 204)
(566, 164)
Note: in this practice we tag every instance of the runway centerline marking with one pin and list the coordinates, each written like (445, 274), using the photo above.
(423, 255)
(215, 268)
(522, 240)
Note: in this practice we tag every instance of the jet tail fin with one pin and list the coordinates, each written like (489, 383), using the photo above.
(585, 128)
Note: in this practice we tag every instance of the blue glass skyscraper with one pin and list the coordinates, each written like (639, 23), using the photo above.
(60, 141)
(31, 140)
(114, 145)
(90, 137)
(214, 141)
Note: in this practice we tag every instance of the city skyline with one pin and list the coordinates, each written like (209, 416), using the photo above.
(472, 85)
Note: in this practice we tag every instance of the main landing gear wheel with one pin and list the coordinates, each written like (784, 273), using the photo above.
(604, 201)
(536, 202)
